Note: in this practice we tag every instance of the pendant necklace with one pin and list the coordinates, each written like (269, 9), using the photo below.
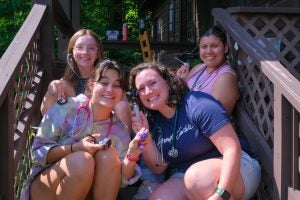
(173, 152)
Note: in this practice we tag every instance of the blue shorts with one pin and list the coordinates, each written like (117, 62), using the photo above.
(250, 172)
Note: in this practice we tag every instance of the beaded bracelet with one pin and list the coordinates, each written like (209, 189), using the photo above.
(132, 159)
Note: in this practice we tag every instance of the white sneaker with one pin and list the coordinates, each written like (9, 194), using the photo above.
(145, 189)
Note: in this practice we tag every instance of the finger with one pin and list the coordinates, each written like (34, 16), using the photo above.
(92, 139)
(96, 135)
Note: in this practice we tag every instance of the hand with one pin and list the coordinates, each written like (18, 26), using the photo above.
(183, 71)
(134, 146)
(138, 124)
(56, 88)
(88, 144)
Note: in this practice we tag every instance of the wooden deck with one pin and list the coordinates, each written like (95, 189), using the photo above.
(268, 113)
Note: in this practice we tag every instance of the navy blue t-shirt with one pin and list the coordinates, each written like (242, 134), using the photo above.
(199, 117)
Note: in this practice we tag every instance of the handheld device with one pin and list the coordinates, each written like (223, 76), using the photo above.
(182, 62)
(106, 142)
(142, 135)
(62, 101)
(135, 107)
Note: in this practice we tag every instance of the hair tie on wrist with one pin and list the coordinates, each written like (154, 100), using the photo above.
(72, 148)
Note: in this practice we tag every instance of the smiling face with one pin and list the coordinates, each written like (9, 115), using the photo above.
(212, 51)
(85, 52)
(107, 92)
(153, 90)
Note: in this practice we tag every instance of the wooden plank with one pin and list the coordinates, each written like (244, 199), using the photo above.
(62, 20)
(284, 80)
(18, 48)
(293, 194)
(264, 10)
(257, 142)
(6, 149)
(282, 143)
(179, 46)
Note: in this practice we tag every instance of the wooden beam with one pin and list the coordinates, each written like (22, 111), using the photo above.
(180, 46)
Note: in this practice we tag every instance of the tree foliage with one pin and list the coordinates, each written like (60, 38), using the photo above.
(12, 15)
(101, 15)
(98, 15)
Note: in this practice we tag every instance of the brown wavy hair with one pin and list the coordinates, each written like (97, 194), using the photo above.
(177, 86)
(71, 74)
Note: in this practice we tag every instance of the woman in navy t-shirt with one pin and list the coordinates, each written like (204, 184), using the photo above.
(192, 137)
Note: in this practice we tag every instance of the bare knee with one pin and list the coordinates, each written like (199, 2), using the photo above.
(199, 182)
(109, 158)
(81, 164)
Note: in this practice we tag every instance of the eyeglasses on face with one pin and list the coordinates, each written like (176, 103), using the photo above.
(88, 49)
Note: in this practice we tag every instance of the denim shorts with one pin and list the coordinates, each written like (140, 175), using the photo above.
(250, 171)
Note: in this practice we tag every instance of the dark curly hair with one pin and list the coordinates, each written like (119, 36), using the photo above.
(177, 87)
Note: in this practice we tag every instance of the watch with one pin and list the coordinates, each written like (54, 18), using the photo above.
(225, 195)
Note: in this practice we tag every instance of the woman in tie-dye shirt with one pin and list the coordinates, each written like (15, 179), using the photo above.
(68, 160)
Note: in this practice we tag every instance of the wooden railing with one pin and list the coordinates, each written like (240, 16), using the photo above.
(268, 113)
(265, 52)
(26, 69)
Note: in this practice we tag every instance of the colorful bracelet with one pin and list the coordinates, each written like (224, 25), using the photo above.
(132, 159)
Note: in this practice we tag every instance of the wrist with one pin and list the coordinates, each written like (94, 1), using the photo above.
(224, 194)
(132, 158)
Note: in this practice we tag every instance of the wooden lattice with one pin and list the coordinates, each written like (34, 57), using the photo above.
(256, 92)
(24, 166)
(278, 34)
(24, 80)
(258, 36)
(25, 85)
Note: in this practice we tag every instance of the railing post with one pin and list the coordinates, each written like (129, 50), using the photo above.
(7, 150)
(47, 50)
(72, 10)
(282, 144)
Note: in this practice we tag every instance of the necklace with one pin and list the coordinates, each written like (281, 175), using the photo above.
(195, 82)
(173, 152)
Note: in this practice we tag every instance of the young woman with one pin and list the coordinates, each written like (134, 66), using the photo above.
(215, 75)
(84, 52)
(68, 159)
(191, 135)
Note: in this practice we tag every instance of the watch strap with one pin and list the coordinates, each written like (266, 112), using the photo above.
(225, 195)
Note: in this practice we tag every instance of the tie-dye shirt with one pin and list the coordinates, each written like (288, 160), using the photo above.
(64, 125)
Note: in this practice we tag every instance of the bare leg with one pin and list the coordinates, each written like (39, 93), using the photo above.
(170, 189)
(69, 178)
(107, 177)
(201, 180)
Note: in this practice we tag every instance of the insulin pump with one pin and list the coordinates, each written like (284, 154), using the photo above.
(133, 94)
(106, 142)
